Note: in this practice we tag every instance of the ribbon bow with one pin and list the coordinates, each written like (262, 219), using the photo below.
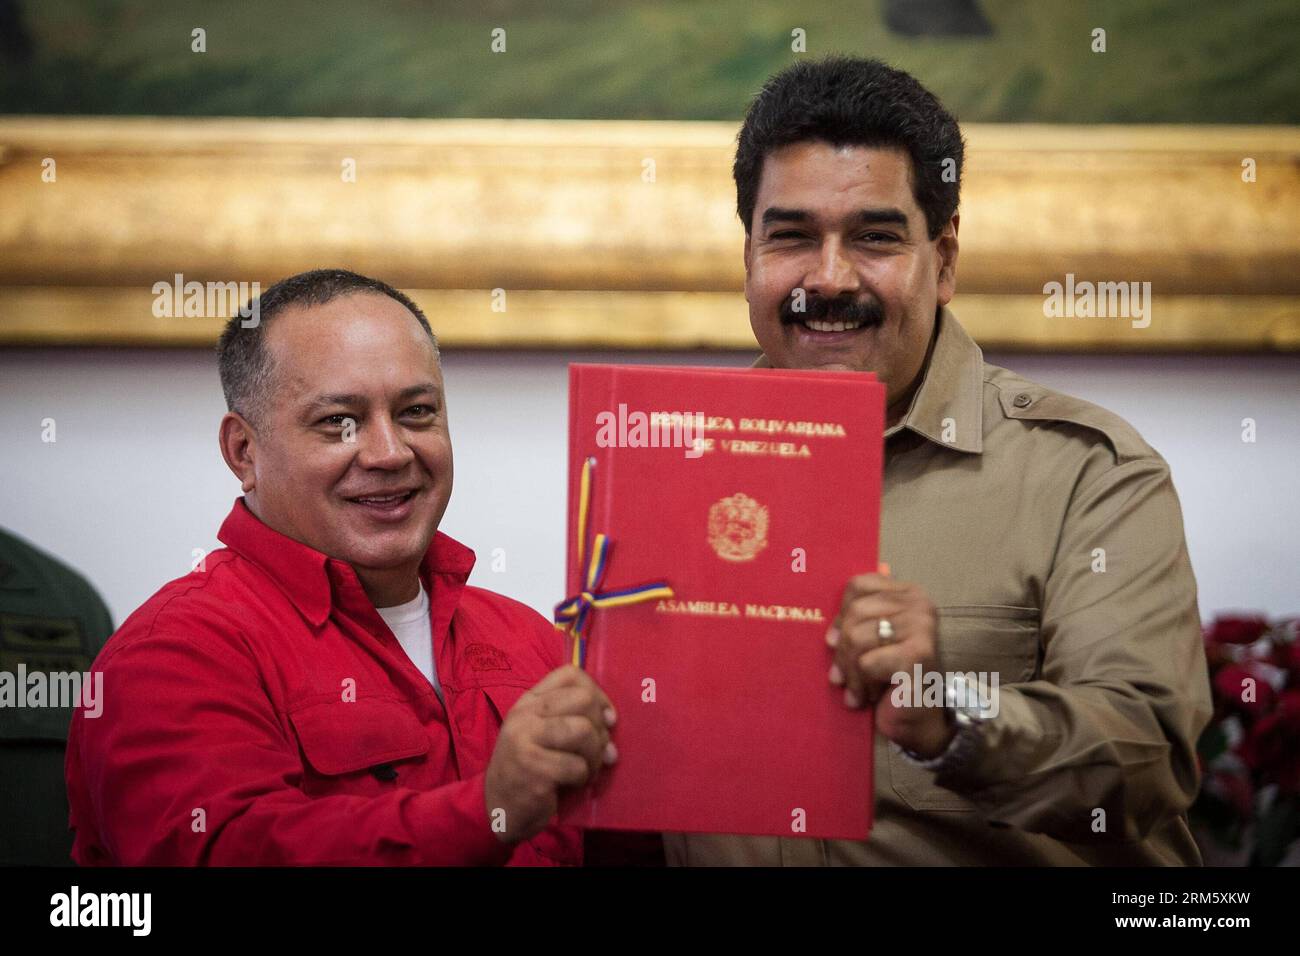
(572, 614)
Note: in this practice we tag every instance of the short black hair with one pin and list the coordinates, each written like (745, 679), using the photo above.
(242, 359)
(851, 101)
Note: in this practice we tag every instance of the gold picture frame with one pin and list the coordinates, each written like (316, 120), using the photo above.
(610, 234)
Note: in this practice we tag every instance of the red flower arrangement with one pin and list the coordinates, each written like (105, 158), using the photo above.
(1250, 752)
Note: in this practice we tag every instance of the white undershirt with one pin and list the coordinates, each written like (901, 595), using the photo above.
(410, 624)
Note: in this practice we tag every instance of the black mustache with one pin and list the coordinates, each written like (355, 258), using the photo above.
(839, 309)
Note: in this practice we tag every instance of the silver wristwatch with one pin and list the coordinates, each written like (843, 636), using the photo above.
(964, 710)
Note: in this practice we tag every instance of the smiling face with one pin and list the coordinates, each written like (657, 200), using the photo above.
(369, 493)
(842, 225)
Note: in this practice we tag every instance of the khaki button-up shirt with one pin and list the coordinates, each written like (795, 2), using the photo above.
(1049, 536)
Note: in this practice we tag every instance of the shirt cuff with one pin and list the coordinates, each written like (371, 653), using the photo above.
(458, 830)
(959, 752)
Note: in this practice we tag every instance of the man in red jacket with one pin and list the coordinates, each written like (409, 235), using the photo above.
(326, 689)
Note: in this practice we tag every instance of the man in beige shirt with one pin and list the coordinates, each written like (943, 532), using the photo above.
(1035, 541)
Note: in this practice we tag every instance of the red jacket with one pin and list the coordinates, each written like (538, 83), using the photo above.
(226, 738)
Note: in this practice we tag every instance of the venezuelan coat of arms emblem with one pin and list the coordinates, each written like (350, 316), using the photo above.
(737, 527)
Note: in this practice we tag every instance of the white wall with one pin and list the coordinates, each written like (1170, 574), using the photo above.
(135, 482)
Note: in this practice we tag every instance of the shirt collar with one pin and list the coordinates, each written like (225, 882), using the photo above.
(952, 387)
(308, 577)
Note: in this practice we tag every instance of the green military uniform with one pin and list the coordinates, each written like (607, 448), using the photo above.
(1049, 537)
(51, 620)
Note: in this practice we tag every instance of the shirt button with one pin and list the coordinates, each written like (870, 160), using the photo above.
(1022, 400)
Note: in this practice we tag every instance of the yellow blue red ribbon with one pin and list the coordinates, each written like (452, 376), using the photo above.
(572, 614)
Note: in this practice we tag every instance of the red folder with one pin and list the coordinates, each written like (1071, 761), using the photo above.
(727, 723)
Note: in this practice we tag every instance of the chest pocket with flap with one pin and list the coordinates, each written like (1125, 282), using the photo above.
(340, 738)
(503, 697)
(993, 639)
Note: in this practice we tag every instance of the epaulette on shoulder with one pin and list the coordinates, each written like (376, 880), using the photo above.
(1028, 401)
